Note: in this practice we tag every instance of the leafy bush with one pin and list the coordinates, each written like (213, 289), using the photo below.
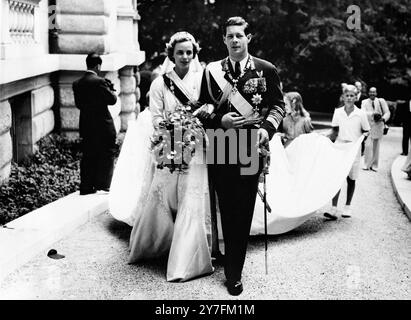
(51, 173)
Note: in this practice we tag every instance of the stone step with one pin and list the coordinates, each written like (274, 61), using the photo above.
(401, 185)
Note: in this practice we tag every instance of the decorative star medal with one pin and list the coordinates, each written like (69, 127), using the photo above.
(256, 100)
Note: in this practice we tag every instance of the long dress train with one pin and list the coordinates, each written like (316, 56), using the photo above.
(302, 178)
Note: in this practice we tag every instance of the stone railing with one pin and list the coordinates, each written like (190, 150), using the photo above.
(20, 28)
(21, 21)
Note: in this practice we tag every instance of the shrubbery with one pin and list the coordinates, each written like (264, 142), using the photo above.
(51, 173)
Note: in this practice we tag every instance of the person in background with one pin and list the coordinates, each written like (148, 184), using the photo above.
(348, 124)
(297, 120)
(92, 95)
(341, 99)
(404, 113)
(360, 94)
(145, 82)
(378, 114)
(150, 71)
(360, 97)
(156, 66)
(407, 165)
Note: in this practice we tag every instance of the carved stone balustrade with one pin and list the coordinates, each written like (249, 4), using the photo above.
(21, 21)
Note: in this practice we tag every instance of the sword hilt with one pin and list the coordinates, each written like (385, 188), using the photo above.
(262, 199)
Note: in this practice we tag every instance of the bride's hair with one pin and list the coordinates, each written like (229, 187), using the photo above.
(179, 37)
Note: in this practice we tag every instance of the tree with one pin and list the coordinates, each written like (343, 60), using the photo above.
(308, 41)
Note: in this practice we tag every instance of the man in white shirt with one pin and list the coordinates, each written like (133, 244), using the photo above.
(348, 124)
(378, 114)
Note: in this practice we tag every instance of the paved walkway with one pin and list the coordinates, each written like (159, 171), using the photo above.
(365, 257)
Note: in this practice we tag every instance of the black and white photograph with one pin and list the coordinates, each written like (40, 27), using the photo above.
(213, 151)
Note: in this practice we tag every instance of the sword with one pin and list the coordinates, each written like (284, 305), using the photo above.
(262, 199)
(266, 162)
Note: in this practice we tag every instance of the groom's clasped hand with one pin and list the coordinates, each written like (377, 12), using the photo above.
(232, 120)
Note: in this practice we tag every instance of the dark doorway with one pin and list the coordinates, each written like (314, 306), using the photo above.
(21, 126)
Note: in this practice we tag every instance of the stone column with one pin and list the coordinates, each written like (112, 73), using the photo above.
(127, 96)
(137, 92)
(83, 26)
(42, 101)
(68, 112)
(6, 151)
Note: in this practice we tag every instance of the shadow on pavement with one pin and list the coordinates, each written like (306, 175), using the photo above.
(315, 225)
(119, 229)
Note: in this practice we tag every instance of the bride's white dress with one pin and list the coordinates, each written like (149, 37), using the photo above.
(187, 240)
(169, 212)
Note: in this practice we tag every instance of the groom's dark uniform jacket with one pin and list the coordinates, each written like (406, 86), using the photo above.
(260, 90)
(261, 78)
(92, 95)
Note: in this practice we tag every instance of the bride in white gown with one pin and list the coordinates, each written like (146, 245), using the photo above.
(169, 212)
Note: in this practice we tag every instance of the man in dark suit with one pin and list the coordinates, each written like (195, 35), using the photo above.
(404, 114)
(248, 107)
(359, 98)
(360, 94)
(92, 95)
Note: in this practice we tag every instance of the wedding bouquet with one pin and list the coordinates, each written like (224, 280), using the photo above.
(175, 141)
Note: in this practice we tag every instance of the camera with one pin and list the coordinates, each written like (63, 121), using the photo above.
(110, 85)
(377, 117)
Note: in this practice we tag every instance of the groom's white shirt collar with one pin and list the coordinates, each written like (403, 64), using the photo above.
(242, 62)
(91, 71)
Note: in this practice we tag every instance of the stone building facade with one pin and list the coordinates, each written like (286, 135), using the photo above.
(43, 46)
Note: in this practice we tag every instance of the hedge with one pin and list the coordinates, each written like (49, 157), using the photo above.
(49, 174)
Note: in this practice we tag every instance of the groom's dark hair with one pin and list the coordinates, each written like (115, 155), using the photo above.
(236, 21)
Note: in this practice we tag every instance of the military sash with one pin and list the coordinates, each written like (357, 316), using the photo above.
(176, 86)
(234, 96)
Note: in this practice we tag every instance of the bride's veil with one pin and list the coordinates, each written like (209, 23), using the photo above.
(168, 66)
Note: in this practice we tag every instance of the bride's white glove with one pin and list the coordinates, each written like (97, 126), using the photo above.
(204, 111)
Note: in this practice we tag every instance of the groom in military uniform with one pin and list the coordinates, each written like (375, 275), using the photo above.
(247, 100)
